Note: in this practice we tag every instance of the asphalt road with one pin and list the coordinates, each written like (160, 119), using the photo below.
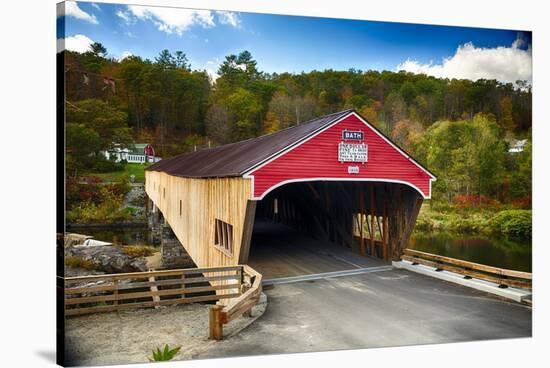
(387, 308)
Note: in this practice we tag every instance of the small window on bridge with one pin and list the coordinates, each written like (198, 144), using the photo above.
(223, 238)
(180, 207)
(164, 193)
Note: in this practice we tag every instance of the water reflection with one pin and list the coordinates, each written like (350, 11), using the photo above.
(498, 252)
(118, 236)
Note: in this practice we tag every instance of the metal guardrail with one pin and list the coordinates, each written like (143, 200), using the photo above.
(501, 276)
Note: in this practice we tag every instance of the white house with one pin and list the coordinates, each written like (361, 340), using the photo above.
(139, 153)
(517, 146)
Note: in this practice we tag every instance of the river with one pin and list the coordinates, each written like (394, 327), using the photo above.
(118, 235)
(498, 252)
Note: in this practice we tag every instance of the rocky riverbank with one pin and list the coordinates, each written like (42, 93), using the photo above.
(104, 258)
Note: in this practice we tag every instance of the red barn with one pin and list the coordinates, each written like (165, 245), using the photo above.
(335, 178)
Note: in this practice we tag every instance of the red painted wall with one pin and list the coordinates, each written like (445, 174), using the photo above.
(149, 150)
(318, 158)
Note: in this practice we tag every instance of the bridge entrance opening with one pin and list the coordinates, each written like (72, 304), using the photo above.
(314, 227)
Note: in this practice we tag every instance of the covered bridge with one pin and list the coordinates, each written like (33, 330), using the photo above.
(335, 178)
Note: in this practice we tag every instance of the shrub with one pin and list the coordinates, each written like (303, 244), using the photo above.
(523, 203)
(107, 211)
(121, 188)
(514, 223)
(467, 224)
(102, 165)
(472, 201)
(164, 355)
(74, 261)
(424, 222)
(138, 251)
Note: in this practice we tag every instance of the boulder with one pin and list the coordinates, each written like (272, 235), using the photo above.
(109, 259)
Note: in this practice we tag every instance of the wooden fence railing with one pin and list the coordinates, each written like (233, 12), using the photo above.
(500, 276)
(114, 292)
(220, 315)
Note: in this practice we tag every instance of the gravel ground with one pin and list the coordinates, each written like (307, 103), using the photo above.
(129, 336)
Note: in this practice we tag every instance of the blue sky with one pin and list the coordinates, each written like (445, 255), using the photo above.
(288, 43)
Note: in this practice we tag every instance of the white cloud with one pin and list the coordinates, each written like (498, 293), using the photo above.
(96, 6)
(125, 16)
(72, 10)
(172, 20)
(124, 55)
(230, 18)
(78, 43)
(505, 64)
(212, 68)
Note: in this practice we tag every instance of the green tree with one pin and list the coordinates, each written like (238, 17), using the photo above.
(107, 121)
(521, 183)
(181, 61)
(244, 105)
(98, 50)
(82, 146)
(165, 59)
(219, 123)
(467, 156)
(408, 92)
(506, 114)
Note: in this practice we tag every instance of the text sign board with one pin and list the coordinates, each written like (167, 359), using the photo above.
(352, 135)
(352, 152)
(353, 169)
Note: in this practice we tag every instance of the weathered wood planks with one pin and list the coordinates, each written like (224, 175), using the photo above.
(105, 293)
(497, 275)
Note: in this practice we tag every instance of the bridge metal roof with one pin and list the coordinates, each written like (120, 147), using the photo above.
(237, 158)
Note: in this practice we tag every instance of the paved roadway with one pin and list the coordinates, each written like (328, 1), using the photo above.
(387, 308)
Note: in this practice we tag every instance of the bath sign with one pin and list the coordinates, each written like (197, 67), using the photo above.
(352, 135)
(352, 152)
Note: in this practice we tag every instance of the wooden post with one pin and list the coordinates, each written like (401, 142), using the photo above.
(216, 326)
(411, 220)
(115, 293)
(247, 231)
(386, 230)
(372, 248)
(154, 289)
(183, 285)
(362, 211)
(244, 289)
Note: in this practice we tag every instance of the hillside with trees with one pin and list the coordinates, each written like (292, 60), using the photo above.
(460, 129)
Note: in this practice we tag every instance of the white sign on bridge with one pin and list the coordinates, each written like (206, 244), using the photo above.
(351, 152)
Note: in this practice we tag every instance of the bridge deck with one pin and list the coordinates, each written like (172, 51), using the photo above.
(280, 251)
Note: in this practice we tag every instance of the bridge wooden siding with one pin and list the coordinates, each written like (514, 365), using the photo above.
(191, 207)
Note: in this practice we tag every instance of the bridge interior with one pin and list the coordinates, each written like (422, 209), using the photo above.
(320, 226)
(278, 250)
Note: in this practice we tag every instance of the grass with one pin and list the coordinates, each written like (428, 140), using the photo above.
(138, 170)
